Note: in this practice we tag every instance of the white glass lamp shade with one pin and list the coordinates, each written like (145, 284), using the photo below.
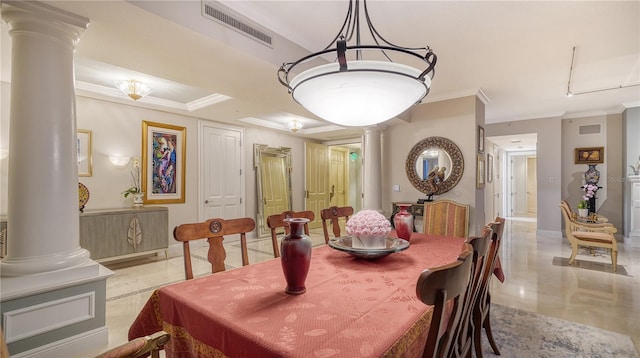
(370, 92)
(134, 89)
(119, 161)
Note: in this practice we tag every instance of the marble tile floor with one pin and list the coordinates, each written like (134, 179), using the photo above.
(588, 293)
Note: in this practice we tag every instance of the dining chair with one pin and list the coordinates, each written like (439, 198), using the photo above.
(463, 335)
(139, 347)
(589, 235)
(333, 215)
(482, 307)
(214, 231)
(446, 218)
(276, 221)
(436, 287)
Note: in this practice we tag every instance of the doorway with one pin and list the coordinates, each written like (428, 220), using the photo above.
(522, 184)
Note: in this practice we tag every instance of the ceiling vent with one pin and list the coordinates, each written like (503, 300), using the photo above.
(225, 16)
(590, 129)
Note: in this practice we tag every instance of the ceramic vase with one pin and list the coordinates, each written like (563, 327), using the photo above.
(592, 175)
(138, 200)
(583, 213)
(295, 256)
(403, 222)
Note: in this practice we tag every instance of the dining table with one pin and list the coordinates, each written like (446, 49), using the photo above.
(352, 307)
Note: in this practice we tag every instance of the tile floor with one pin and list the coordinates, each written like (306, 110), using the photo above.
(536, 281)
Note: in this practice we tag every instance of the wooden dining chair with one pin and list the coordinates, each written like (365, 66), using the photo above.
(462, 344)
(139, 347)
(446, 218)
(275, 222)
(333, 215)
(436, 287)
(482, 307)
(214, 231)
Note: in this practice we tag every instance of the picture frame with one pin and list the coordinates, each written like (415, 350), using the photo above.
(163, 163)
(589, 155)
(481, 172)
(489, 168)
(480, 139)
(84, 151)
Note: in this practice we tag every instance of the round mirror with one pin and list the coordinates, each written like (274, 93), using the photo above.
(434, 165)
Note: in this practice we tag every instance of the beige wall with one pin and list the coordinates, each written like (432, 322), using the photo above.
(549, 165)
(116, 129)
(609, 202)
(453, 119)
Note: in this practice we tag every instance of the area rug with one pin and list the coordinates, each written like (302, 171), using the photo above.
(522, 334)
(590, 265)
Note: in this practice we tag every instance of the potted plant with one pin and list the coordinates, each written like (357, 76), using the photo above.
(583, 208)
(136, 189)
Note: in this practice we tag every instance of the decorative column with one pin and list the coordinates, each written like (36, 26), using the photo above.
(372, 153)
(43, 221)
(53, 297)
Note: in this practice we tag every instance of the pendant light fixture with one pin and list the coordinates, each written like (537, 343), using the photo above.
(354, 91)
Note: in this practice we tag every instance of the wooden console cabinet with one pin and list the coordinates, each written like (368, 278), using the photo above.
(415, 209)
(105, 232)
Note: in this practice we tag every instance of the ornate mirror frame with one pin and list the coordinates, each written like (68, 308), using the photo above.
(457, 167)
(261, 151)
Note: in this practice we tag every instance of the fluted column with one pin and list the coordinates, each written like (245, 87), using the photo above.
(372, 153)
(43, 221)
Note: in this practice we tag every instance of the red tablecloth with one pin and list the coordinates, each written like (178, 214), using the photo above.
(352, 307)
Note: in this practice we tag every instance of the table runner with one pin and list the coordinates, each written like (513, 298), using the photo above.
(352, 307)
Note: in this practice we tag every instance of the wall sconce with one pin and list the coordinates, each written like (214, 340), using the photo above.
(295, 125)
(119, 161)
(134, 89)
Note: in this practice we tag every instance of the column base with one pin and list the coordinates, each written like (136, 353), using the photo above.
(11, 267)
(55, 313)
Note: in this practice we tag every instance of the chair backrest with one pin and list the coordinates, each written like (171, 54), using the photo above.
(568, 221)
(463, 335)
(214, 231)
(333, 214)
(139, 347)
(275, 222)
(497, 228)
(436, 286)
(446, 218)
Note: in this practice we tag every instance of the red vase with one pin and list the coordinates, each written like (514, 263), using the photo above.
(403, 222)
(295, 256)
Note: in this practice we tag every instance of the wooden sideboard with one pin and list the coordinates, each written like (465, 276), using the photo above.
(105, 233)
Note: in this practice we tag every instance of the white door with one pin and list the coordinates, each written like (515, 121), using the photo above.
(532, 186)
(316, 180)
(221, 176)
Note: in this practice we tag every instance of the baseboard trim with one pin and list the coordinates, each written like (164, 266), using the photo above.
(549, 233)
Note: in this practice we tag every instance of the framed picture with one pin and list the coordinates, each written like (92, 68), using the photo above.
(85, 158)
(163, 162)
(489, 168)
(480, 139)
(593, 155)
(480, 174)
